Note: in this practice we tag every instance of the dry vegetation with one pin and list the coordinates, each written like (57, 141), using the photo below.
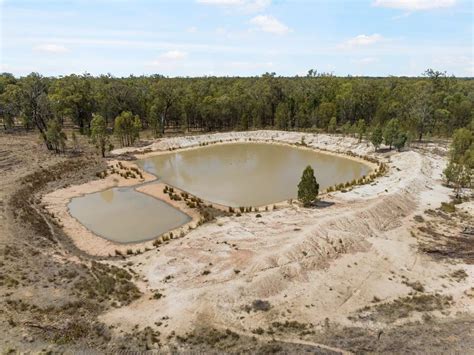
(446, 233)
(54, 297)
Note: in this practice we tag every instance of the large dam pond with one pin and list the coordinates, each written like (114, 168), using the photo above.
(124, 215)
(248, 174)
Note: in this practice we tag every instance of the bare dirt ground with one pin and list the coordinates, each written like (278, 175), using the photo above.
(382, 268)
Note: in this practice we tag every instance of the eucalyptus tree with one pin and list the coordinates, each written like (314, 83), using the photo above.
(36, 105)
(127, 128)
(72, 97)
(391, 132)
(99, 135)
(166, 94)
(422, 110)
(361, 128)
(10, 104)
(460, 168)
(376, 137)
(325, 111)
(55, 136)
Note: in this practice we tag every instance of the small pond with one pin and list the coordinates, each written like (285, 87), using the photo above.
(124, 215)
(248, 174)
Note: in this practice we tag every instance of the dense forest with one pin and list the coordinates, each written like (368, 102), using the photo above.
(433, 104)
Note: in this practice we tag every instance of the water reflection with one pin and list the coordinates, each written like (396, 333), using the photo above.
(107, 195)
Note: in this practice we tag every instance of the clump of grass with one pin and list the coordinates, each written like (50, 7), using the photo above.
(448, 207)
(259, 305)
(174, 197)
(214, 338)
(157, 295)
(107, 283)
(291, 326)
(403, 307)
(419, 218)
(101, 174)
(417, 286)
(459, 275)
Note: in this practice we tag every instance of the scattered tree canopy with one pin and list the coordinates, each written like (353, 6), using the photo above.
(460, 169)
(55, 136)
(99, 134)
(127, 128)
(377, 137)
(434, 104)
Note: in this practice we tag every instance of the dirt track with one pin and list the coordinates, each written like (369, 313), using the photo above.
(320, 276)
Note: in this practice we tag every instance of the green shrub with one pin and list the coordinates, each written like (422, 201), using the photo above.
(308, 187)
(448, 207)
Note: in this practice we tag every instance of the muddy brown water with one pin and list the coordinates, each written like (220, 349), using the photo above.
(124, 215)
(234, 174)
(249, 174)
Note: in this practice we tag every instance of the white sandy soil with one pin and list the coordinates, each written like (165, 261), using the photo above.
(310, 264)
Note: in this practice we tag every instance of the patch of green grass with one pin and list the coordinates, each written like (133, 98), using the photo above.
(448, 207)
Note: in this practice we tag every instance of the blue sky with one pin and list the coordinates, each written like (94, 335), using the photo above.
(236, 37)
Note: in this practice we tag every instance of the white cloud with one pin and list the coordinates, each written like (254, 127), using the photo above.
(459, 64)
(169, 58)
(414, 5)
(243, 5)
(174, 55)
(192, 29)
(270, 24)
(51, 48)
(366, 60)
(363, 40)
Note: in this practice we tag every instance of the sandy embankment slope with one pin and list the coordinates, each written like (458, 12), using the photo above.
(310, 264)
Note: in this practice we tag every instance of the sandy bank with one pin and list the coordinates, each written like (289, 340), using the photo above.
(309, 264)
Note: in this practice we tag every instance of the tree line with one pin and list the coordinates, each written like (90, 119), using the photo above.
(394, 108)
